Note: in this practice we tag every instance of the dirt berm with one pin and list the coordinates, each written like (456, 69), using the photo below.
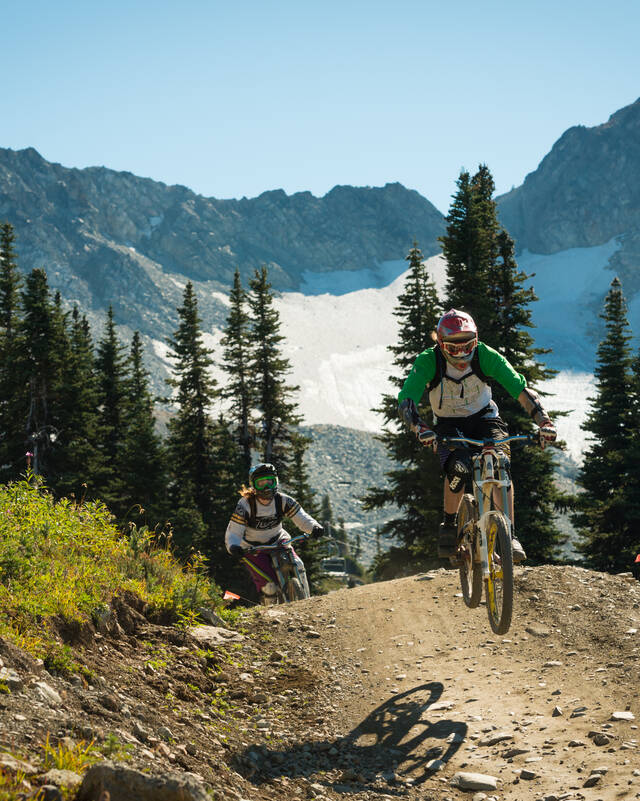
(386, 691)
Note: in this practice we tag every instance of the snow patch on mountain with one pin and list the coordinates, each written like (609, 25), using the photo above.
(571, 286)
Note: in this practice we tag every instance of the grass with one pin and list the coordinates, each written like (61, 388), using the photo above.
(66, 560)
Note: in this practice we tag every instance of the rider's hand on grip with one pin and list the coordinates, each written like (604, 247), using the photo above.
(237, 551)
(425, 435)
(547, 433)
(316, 531)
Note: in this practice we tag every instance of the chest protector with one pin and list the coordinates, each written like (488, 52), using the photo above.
(253, 509)
(441, 374)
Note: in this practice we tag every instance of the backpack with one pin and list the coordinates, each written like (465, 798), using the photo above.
(253, 507)
(441, 367)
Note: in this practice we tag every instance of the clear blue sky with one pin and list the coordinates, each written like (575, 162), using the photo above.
(237, 97)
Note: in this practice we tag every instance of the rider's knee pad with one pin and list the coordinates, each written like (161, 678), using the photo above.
(457, 470)
(269, 588)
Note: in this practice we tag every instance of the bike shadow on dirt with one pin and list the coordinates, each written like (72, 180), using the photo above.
(395, 743)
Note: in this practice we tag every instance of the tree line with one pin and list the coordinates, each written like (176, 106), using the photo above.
(84, 411)
(81, 414)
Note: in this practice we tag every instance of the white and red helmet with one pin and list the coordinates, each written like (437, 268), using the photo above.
(457, 336)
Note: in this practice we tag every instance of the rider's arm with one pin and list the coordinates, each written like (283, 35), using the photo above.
(236, 528)
(423, 370)
(530, 402)
(292, 509)
(494, 365)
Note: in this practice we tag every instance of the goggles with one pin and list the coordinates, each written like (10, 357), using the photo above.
(458, 349)
(265, 482)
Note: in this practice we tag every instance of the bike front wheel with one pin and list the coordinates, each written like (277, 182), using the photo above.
(294, 590)
(470, 570)
(499, 583)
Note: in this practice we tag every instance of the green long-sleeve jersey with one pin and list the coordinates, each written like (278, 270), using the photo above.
(461, 393)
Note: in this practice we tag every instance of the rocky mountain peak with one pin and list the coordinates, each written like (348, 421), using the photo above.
(585, 191)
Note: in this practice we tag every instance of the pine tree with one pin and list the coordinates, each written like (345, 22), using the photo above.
(415, 486)
(236, 343)
(76, 458)
(112, 376)
(532, 468)
(143, 460)
(483, 279)
(190, 442)
(278, 415)
(12, 445)
(608, 540)
(39, 356)
(469, 247)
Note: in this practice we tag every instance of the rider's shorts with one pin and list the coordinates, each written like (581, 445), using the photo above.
(475, 427)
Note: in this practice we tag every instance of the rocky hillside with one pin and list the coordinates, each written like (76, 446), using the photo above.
(585, 192)
(388, 691)
(112, 237)
(345, 463)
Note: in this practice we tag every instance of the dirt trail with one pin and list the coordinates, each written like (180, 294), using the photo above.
(381, 692)
(422, 684)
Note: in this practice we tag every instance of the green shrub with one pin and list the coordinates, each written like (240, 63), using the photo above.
(62, 559)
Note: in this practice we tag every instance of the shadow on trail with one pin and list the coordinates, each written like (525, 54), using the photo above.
(393, 745)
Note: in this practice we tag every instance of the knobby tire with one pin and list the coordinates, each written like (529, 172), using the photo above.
(294, 590)
(470, 570)
(499, 585)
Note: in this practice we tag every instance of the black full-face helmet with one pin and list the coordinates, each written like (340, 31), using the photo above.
(264, 480)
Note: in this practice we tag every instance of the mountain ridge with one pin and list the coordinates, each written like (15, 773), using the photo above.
(584, 192)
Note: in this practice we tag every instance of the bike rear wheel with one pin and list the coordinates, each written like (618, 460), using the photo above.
(470, 570)
(499, 584)
(294, 590)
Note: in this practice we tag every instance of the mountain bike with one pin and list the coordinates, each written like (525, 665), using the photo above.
(484, 532)
(291, 585)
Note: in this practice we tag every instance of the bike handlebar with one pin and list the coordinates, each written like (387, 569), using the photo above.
(276, 546)
(483, 443)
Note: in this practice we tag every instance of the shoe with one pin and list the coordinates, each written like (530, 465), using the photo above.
(447, 541)
(518, 551)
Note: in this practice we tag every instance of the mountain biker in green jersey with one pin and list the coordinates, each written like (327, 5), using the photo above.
(456, 372)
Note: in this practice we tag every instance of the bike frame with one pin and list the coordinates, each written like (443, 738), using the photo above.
(276, 552)
(489, 472)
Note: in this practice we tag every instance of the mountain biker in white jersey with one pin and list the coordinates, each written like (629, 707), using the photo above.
(257, 520)
(456, 371)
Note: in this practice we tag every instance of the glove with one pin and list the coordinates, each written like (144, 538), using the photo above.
(425, 435)
(316, 531)
(547, 433)
(237, 551)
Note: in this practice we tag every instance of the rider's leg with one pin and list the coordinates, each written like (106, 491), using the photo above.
(448, 534)
(258, 565)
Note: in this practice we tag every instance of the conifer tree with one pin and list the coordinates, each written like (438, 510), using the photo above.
(469, 246)
(76, 459)
(112, 377)
(236, 343)
(483, 279)
(277, 413)
(415, 485)
(12, 446)
(532, 469)
(608, 540)
(40, 352)
(190, 443)
(143, 460)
